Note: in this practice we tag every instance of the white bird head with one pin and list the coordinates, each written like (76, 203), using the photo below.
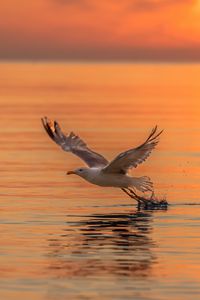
(82, 172)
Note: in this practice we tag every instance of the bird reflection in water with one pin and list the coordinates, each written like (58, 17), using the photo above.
(103, 245)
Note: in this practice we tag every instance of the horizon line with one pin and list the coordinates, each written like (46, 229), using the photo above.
(105, 60)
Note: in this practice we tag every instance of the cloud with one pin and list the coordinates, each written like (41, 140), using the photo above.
(73, 3)
(148, 5)
(133, 5)
(93, 29)
(69, 2)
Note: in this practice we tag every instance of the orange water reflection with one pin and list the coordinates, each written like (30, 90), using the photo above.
(56, 231)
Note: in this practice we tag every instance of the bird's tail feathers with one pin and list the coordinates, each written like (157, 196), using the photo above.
(143, 184)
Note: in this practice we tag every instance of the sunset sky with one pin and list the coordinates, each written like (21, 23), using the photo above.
(94, 29)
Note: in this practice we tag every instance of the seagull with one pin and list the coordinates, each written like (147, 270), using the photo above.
(100, 171)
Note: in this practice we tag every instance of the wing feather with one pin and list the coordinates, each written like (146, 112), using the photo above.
(133, 157)
(73, 143)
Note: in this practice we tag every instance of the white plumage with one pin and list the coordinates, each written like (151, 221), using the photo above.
(100, 171)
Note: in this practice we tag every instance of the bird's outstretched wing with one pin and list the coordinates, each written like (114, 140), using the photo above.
(133, 157)
(72, 143)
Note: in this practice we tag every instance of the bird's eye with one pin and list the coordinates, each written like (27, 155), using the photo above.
(80, 170)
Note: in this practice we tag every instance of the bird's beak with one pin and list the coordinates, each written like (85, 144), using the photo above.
(70, 172)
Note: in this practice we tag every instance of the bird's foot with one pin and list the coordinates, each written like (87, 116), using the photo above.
(151, 202)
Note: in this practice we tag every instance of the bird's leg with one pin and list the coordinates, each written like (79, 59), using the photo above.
(151, 201)
(136, 197)
(146, 203)
(125, 191)
(132, 194)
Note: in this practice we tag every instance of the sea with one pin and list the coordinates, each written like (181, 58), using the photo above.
(63, 238)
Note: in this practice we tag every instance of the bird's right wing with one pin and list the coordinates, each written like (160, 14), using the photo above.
(133, 157)
(73, 143)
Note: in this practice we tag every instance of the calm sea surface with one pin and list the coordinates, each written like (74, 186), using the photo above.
(62, 238)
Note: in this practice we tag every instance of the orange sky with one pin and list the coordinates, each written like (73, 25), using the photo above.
(94, 29)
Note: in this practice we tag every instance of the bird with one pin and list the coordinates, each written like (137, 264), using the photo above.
(99, 170)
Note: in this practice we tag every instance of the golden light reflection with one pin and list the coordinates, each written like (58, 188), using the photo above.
(61, 234)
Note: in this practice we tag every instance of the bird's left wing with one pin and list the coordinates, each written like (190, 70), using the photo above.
(73, 143)
(133, 157)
